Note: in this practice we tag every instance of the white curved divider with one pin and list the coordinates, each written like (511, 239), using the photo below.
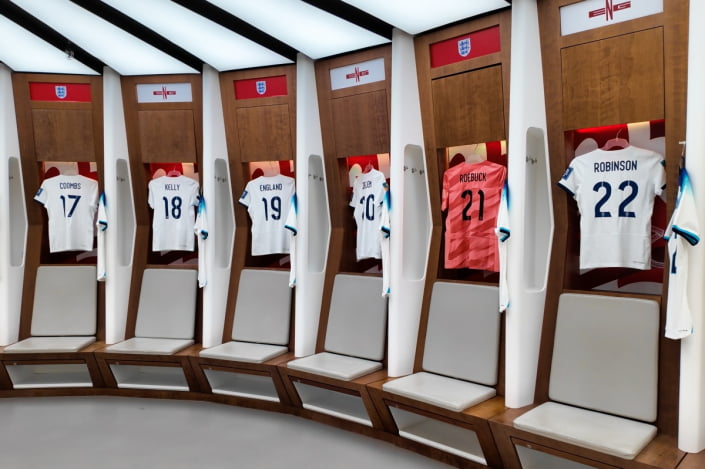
(691, 419)
(219, 210)
(411, 210)
(13, 215)
(530, 207)
(120, 208)
(314, 223)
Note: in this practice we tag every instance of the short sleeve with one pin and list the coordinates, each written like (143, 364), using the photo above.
(41, 195)
(246, 198)
(150, 195)
(444, 195)
(568, 181)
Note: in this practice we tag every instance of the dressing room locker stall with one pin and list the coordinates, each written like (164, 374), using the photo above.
(162, 321)
(257, 331)
(353, 93)
(57, 180)
(442, 408)
(607, 384)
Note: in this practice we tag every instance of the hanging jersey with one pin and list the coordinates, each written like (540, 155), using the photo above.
(615, 193)
(174, 200)
(267, 199)
(385, 240)
(503, 232)
(71, 202)
(292, 227)
(682, 232)
(101, 226)
(200, 229)
(368, 193)
(472, 194)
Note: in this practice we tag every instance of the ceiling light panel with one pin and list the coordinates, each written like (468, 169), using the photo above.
(218, 46)
(122, 51)
(31, 54)
(307, 29)
(417, 16)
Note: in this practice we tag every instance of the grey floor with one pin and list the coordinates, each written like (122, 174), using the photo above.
(117, 432)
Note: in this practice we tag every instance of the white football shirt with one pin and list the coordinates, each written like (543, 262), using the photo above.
(292, 226)
(503, 233)
(101, 226)
(682, 232)
(368, 194)
(174, 200)
(268, 200)
(71, 202)
(200, 229)
(615, 193)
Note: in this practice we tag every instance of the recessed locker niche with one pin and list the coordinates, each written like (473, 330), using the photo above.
(163, 116)
(615, 85)
(62, 316)
(354, 102)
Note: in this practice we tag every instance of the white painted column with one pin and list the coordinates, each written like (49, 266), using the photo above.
(120, 209)
(691, 419)
(13, 215)
(411, 208)
(219, 209)
(314, 224)
(530, 212)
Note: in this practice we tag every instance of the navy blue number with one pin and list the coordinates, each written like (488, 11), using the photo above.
(622, 207)
(369, 202)
(276, 205)
(622, 212)
(75, 198)
(598, 206)
(175, 207)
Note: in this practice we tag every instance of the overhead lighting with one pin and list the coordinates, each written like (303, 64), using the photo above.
(218, 46)
(29, 53)
(306, 28)
(122, 51)
(417, 16)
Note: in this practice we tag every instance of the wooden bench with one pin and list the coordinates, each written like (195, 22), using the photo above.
(245, 367)
(58, 353)
(603, 392)
(445, 404)
(156, 357)
(333, 381)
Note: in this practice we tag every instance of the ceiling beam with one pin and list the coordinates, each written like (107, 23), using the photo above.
(46, 33)
(140, 31)
(233, 23)
(354, 15)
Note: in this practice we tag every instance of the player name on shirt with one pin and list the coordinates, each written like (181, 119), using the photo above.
(473, 177)
(70, 185)
(621, 165)
(171, 187)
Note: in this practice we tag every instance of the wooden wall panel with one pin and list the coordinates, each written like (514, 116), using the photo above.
(469, 107)
(167, 136)
(264, 133)
(361, 124)
(615, 80)
(63, 134)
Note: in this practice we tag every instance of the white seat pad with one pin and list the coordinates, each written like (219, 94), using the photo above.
(449, 393)
(600, 432)
(244, 351)
(150, 345)
(50, 344)
(335, 366)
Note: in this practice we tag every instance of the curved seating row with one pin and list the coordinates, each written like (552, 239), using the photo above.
(603, 382)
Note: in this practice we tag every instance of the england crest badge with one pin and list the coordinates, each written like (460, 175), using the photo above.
(261, 86)
(60, 91)
(464, 47)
